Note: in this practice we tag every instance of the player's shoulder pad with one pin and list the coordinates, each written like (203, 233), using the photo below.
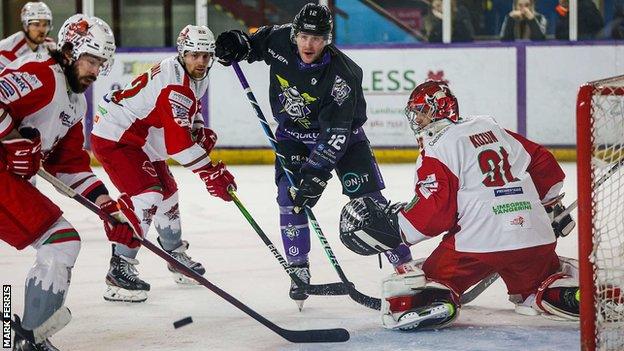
(170, 72)
(344, 63)
(28, 74)
(11, 41)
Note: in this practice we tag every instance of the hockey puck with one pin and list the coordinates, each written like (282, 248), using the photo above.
(182, 322)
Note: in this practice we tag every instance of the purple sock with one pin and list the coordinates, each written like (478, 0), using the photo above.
(293, 226)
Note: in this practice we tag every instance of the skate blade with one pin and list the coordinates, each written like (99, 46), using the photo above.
(411, 320)
(117, 294)
(182, 279)
(299, 304)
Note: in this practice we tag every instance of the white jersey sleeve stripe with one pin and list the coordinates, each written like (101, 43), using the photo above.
(409, 232)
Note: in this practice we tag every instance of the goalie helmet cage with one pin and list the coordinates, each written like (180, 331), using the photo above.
(600, 151)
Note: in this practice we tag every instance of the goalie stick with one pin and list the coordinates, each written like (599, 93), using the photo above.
(365, 300)
(311, 289)
(598, 183)
(295, 336)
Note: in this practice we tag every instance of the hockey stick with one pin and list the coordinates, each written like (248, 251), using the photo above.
(365, 300)
(357, 296)
(296, 336)
(311, 289)
(480, 287)
(598, 183)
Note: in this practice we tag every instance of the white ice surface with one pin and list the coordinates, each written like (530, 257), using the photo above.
(238, 262)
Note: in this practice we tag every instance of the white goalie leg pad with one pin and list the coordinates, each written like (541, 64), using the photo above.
(398, 307)
(566, 277)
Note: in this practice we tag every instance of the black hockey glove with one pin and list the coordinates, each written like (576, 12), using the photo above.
(309, 190)
(232, 46)
(561, 227)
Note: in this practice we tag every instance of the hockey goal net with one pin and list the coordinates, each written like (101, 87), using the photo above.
(600, 144)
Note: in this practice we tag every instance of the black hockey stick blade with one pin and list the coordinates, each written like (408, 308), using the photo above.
(364, 300)
(310, 289)
(330, 289)
(315, 335)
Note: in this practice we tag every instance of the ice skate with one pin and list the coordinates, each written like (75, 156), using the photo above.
(123, 283)
(180, 255)
(22, 343)
(297, 293)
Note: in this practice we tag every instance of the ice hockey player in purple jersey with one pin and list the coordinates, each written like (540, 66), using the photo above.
(316, 97)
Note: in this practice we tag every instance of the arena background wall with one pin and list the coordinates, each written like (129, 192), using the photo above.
(528, 87)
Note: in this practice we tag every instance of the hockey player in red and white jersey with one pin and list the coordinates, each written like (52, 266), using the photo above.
(490, 192)
(136, 130)
(41, 108)
(36, 23)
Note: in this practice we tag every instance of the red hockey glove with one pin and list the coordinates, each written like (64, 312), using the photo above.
(206, 138)
(124, 231)
(23, 156)
(217, 179)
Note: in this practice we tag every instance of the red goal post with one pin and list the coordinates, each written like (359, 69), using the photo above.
(600, 152)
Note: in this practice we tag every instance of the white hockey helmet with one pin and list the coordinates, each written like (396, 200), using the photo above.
(35, 11)
(195, 39)
(88, 35)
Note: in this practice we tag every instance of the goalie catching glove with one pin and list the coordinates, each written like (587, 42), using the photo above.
(128, 224)
(218, 180)
(367, 229)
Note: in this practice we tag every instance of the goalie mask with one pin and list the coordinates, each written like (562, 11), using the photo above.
(366, 229)
(434, 101)
(88, 35)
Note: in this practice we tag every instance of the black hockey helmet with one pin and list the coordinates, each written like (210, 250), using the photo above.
(314, 19)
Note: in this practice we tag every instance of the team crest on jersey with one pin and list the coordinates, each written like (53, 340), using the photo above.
(428, 186)
(340, 90)
(518, 221)
(295, 103)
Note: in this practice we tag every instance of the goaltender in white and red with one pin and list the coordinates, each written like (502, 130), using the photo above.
(41, 108)
(493, 195)
(136, 130)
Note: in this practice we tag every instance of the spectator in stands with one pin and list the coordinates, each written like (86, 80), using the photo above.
(615, 28)
(590, 20)
(462, 24)
(523, 22)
